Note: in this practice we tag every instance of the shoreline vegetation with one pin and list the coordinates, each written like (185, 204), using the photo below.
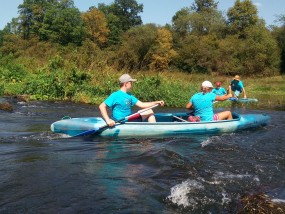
(174, 87)
(52, 51)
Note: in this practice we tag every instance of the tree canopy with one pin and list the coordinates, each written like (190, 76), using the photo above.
(121, 16)
(242, 16)
(200, 38)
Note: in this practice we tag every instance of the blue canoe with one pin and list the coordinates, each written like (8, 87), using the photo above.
(167, 124)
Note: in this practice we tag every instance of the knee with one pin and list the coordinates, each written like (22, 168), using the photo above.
(149, 112)
(151, 118)
(229, 115)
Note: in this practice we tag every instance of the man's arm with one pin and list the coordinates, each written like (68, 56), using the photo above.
(224, 97)
(104, 113)
(189, 105)
(149, 104)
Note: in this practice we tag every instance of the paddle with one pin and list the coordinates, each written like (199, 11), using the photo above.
(128, 118)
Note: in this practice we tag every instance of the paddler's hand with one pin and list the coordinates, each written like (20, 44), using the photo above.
(161, 102)
(110, 122)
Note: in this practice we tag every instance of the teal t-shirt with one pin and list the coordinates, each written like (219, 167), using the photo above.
(219, 91)
(203, 105)
(237, 85)
(120, 102)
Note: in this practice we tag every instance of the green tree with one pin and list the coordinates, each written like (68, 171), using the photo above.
(113, 23)
(121, 16)
(2, 33)
(197, 31)
(241, 16)
(201, 19)
(136, 44)
(11, 28)
(181, 23)
(55, 20)
(62, 24)
(256, 54)
(279, 35)
(128, 13)
(204, 5)
(26, 17)
(32, 13)
(198, 53)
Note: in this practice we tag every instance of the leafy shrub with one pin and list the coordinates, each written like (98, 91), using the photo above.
(58, 84)
(1, 89)
(174, 93)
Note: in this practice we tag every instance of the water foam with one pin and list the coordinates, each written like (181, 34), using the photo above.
(179, 193)
(211, 140)
(279, 201)
(226, 199)
(206, 142)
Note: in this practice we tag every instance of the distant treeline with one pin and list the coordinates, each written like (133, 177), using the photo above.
(199, 39)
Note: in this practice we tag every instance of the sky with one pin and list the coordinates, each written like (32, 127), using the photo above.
(156, 11)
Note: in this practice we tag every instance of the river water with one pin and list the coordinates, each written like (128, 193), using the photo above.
(42, 172)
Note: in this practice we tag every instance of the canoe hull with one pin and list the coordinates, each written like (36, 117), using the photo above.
(243, 100)
(167, 127)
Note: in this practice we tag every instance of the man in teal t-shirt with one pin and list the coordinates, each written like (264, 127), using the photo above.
(202, 103)
(237, 87)
(122, 100)
(219, 90)
(120, 103)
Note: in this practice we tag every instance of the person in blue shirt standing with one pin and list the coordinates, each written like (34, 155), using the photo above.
(237, 87)
(202, 103)
(122, 100)
(219, 90)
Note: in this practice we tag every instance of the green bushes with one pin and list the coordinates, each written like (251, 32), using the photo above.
(175, 93)
(56, 84)
(10, 71)
(1, 89)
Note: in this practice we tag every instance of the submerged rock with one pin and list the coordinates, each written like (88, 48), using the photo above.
(5, 106)
(22, 98)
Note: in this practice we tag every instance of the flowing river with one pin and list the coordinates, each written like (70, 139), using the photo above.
(43, 172)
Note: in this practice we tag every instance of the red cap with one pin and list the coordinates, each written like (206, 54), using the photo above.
(218, 83)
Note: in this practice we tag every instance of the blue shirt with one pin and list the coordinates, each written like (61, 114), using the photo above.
(120, 102)
(237, 87)
(203, 105)
(219, 91)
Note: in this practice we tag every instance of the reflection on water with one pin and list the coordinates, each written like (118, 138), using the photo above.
(41, 172)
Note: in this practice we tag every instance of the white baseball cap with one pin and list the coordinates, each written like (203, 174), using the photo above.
(207, 84)
(126, 78)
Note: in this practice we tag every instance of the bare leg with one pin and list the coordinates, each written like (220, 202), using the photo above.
(225, 115)
(149, 115)
(229, 91)
(152, 119)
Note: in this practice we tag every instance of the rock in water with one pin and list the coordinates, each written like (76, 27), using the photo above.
(5, 106)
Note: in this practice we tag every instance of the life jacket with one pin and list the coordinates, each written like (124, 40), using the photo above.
(235, 85)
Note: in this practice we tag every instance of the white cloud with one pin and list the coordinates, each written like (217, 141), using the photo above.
(257, 4)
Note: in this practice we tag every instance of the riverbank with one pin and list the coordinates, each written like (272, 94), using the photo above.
(174, 87)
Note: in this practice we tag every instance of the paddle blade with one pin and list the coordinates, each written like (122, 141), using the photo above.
(233, 99)
(88, 132)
